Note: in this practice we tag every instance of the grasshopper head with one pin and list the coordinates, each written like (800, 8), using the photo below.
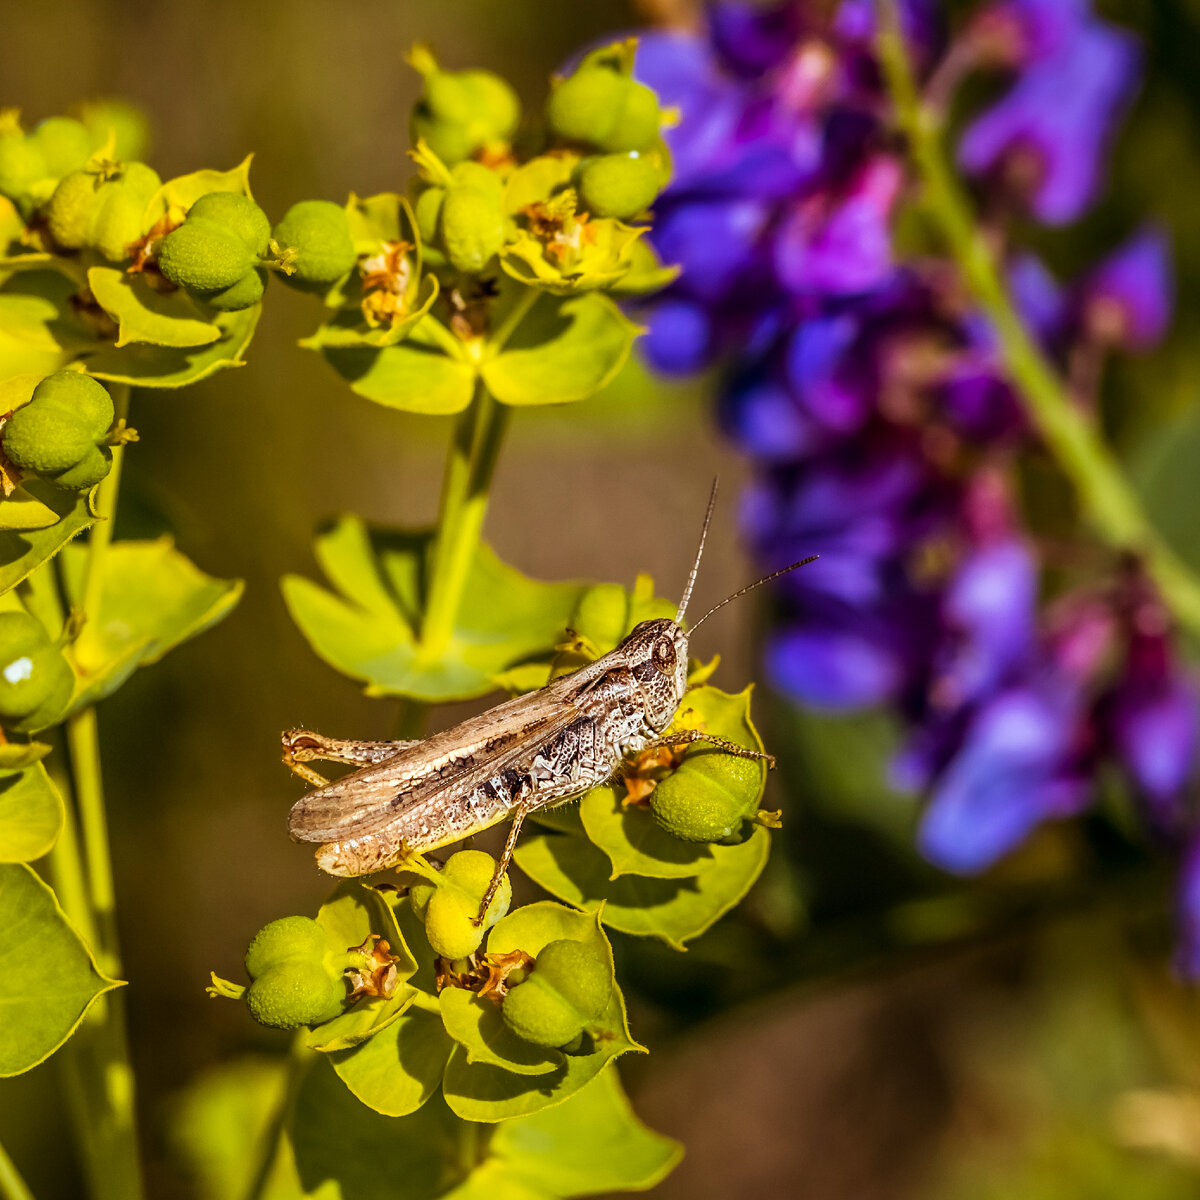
(657, 654)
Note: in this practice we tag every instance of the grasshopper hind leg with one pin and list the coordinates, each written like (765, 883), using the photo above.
(510, 844)
(303, 745)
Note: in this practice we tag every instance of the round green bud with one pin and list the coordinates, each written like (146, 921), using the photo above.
(709, 802)
(618, 185)
(483, 179)
(237, 213)
(450, 142)
(246, 292)
(283, 939)
(584, 103)
(205, 256)
(124, 121)
(21, 167)
(45, 438)
(87, 472)
(69, 212)
(427, 210)
(80, 394)
(103, 213)
(449, 907)
(579, 973)
(602, 614)
(36, 681)
(536, 1012)
(65, 144)
(293, 993)
(472, 227)
(636, 121)
(319, 232)
(478, 100)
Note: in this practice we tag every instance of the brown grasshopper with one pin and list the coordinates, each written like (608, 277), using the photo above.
(529, 753)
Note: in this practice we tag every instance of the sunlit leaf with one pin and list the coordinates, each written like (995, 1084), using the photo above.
(22, 510)
(31, 814)
(475, 1022)
(146, 315)
(633, 842)
(21, 552)
(48, 978)
(183, 192)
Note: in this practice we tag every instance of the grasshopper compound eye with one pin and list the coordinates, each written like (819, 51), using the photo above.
(663, 654)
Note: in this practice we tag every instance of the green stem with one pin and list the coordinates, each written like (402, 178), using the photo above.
(465, 486)
(519, 311)
(299, 1058)
(101, 533)
(12, 1186)
(1069, 432)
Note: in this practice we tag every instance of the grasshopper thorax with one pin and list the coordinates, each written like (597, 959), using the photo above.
(657, 655)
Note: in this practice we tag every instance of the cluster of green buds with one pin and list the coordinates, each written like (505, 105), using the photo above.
(564, 990)
(448, 904)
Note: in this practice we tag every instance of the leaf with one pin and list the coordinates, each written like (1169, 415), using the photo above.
(31, 814)
(414, 376)
(36, 309)
(564, 350)
(348, 329)
(367, 631)
(647, 273)
(22, 552)
(674, 910)
(22, 510)
(479, 1091)
(172, 367)
(215, 1127)
(183, 192)
(48, 978)
(353, 913)
(145, 315)
(152, 598)
(344, 1151)
(590, 1144)
(633, 841)
(15, 756)
(397, 1071)
(475, 1022)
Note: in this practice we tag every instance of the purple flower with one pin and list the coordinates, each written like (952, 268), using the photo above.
(1050, 132)
(835, 668)
(1019, 32)
(1126, 301)
(752, 39)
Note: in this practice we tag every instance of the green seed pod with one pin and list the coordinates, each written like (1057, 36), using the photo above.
(65, 145)
(483, 179)
(79, 394)
(472, 227)
(293, 993)
(46, 438)
(87, 472)
(205, 256)
(618, 185)
(246, 292)
(36, 681)
(319, 232)
(536, 1012)
(584, 103)
(449, 907)
(708, 799)
(21, 167)
(460, 112)
(569, 987)
(636, 121)
(602, 615)
(428, 210)
(102, 212)
(237, 213)
(283, 939)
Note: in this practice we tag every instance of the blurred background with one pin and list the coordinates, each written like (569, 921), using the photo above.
(861, 1027)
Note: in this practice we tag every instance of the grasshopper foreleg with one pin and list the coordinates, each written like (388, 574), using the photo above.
(510, 844)
(698, 735)
(302, 745)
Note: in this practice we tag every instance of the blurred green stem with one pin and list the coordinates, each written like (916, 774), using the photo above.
(12, 1186)
(101, 1068)
(466, 483)
(1069, 432)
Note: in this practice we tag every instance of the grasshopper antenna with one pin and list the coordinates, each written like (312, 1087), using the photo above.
(751, 586)
(691, 583)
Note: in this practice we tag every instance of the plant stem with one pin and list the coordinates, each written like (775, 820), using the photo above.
(519, 311)
(108, 1132)
(465, 485)
(12, 1186)
(1069, 432)
(298, 1061)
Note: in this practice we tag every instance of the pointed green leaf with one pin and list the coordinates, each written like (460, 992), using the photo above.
(674, 910)
(353, 913)
(36, 308)
(564, 350)
(183, 192)
(505, 616)
(400, 1068)
(22, 510)
(16, 756)
(31, 814)
(152, 598)
(633, 842)
(22, 552)
(48, 978)
(592, 1143)
(416, 375)
(475, 1022)
(145, 315)
(172, 367)
(348, 329)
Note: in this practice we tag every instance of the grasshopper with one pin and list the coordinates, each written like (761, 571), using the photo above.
(532, 752)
